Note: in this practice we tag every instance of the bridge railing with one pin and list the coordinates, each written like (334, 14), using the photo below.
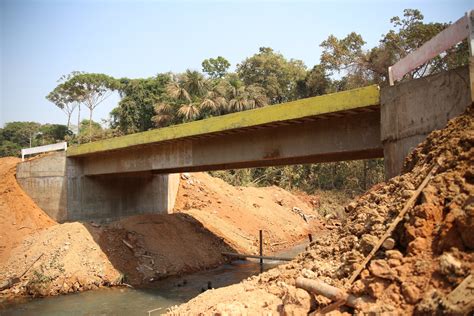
(455, 33)
(43, 149)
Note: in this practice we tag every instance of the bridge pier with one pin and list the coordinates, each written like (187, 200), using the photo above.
(117, 195)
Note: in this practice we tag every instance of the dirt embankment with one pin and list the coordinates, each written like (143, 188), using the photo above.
(19, 215)
(41, 257)
(238, 213)
(431, 255)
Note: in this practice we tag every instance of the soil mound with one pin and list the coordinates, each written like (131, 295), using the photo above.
(424, 269)
(238, 213)
(19, 215)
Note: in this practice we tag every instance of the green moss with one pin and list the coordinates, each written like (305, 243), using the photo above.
(335, 102)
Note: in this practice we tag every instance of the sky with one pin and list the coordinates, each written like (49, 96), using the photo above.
(40, 40)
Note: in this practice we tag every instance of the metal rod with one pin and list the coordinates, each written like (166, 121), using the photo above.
(241, 255)
(261, 250)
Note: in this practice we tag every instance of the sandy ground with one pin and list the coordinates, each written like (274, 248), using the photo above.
(427, 269)
(41, 258)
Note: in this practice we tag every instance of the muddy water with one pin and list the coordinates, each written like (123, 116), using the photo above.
(127, 301)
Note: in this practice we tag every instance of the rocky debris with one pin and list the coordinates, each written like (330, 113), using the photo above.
(306, 217)
(430, 253)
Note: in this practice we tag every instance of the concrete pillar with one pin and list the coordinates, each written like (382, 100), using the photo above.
(411, 110)
(113, 196)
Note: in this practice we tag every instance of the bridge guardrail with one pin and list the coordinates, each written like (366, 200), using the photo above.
(43, 149)
(455, 33)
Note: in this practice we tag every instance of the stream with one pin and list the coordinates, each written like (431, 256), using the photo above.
(127, 301)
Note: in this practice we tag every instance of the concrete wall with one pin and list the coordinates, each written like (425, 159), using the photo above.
(59, 187)
(44, 180)
(411, 110)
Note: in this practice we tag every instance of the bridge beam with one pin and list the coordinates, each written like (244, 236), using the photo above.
(355, 136)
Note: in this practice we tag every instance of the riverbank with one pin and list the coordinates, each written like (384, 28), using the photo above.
(210, 217)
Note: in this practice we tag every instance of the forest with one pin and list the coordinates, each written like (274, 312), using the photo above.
(263, 79)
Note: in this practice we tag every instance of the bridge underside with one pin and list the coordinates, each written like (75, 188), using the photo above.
(336, 137)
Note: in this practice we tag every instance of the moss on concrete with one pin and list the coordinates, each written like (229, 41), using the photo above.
(335, 102)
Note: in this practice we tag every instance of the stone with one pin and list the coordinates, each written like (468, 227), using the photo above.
(394, 254)
(389, 243)
(410, 292)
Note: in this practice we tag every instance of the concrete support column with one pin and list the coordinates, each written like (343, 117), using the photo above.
(411, 110)
(118, 195)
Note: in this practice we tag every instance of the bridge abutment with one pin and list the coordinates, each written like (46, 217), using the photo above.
(58, 185)
(412, 109)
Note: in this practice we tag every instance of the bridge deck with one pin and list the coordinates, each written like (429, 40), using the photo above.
(335, 104)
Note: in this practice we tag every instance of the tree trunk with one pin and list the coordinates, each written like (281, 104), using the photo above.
(78, 123)
(90, 124)
(69, 120)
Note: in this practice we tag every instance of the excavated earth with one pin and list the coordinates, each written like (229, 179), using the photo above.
(39, 257)
(425, 269)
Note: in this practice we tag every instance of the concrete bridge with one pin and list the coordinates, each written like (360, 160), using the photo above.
(137, 173)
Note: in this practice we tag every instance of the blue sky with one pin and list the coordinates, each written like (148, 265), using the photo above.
(40, 40)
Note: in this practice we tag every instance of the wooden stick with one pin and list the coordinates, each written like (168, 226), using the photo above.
(393, 225)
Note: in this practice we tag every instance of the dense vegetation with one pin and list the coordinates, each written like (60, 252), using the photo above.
(265, 78)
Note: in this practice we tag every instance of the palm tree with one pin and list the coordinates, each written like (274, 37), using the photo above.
(189, 111)
(177, 91)
(243, 97)
(194, 82)
(164, 114)
(214, 101)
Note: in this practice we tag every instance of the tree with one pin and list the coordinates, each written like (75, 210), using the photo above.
(52, 133)
(215, 67)
(274, 73)
(64, 100)
(91, 89)
(362, 67)
(316, 82)
(136, 108)
(241, 97)
(21, 133)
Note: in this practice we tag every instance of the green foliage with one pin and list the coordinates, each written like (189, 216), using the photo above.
(363, 67)
(53, 133)
(353, 177)
(17, 135)
(88, 89)
(215, 67)
(278, 76)
(9, 148)
(92, 131)
(136, 108)
(191, 96)
(21, 133)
